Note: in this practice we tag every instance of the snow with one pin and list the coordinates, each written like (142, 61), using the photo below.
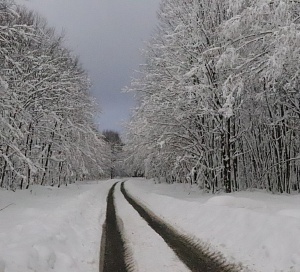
(257, 229)
(144, 243)
(52, 229)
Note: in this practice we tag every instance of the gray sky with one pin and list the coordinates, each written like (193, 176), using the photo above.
(107, 35)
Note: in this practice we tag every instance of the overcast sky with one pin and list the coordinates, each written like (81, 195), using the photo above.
(107, 35)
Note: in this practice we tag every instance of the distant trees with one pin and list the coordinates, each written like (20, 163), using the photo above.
(47, 134)
(218, 101)
(115, 153)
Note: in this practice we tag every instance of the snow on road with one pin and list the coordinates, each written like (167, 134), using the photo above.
(149, 250)
(51, 229)
(259, 229)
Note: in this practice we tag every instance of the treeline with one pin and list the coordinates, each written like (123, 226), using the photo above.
(47, 134)
(218, 97)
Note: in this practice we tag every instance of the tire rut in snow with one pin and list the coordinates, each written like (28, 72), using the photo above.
(190, 253)
(113, 258)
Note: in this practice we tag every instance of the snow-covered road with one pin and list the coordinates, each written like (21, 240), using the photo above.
(147, 243)
(50, 229)
(149, 252)
(257, 229)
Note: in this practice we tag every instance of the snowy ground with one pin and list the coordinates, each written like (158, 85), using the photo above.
(149, 251)
(51, 229)
(258, 229)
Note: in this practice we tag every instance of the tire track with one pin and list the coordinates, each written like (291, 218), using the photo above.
(147, 251)
(113, 258)
(190, 253)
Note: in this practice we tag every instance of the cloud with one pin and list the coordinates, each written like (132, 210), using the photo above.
(107, 36)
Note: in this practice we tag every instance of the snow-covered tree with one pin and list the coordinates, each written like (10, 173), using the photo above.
(47, 135)
(217, 97)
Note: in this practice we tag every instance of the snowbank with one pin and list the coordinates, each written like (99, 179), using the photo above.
(51, 229)
(257, 229)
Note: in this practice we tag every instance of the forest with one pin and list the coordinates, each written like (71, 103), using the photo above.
(217, 101)
(204, 176)
(47, 131)
(218, 97)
